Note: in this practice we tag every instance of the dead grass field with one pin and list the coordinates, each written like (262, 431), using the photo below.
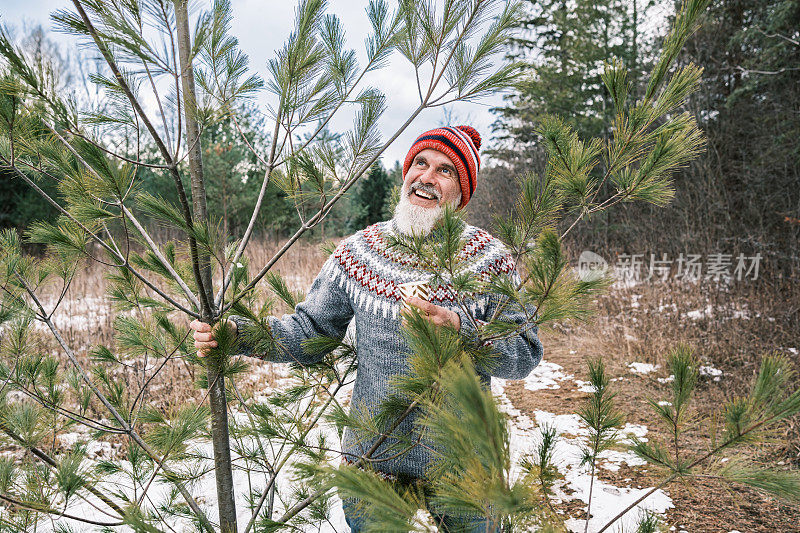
(730, 327)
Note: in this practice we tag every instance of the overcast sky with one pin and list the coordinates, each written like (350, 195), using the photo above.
(263, 25)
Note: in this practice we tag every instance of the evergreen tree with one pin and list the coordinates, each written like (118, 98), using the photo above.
(371, 198)
(564, 46)
(200, 274)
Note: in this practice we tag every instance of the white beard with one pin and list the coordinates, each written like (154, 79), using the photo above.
(414, 219)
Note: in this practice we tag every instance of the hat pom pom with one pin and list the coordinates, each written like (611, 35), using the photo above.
(473, 134)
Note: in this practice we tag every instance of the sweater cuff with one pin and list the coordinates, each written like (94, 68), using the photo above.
(468, 330)
(241, 324)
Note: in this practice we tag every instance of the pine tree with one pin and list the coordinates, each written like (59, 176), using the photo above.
(371, 198)
(147, 46)
(565, 46)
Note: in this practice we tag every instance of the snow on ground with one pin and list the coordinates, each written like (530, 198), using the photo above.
(546, 376)
(642, 368)
(607, 499)
(81, 313)
(708, 371)
(204, 490)
(524, 433)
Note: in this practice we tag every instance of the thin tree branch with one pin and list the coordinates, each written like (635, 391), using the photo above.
(118, 417)
(32, 506)
(187, 213)
(116, 155)
(694, 463)
(289, 514)
(227, 278)
(157, 252)
(100, 241)
(767, 72)
(142, 231)
(42, 456)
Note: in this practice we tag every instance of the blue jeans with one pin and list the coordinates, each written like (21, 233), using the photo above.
(357, 520)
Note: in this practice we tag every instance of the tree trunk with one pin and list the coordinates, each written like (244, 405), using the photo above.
(216, 380)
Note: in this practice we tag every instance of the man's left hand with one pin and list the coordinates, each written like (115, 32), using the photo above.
(436, 314)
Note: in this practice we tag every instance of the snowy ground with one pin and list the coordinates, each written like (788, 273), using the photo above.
(608, 499)
(524, 432)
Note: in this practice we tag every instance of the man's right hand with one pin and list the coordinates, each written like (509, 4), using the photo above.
(204, 336)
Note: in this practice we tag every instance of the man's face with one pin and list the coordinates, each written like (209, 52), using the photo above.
(432, 180)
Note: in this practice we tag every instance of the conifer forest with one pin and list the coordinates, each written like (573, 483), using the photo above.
(171, 169)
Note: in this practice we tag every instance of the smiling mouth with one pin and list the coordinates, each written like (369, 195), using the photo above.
(424, 195)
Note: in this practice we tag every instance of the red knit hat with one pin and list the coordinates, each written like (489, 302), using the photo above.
(461, 145)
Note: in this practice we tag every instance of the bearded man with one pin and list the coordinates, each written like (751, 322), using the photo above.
(360, 282)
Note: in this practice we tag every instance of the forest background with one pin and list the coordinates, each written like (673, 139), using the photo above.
(739, 196)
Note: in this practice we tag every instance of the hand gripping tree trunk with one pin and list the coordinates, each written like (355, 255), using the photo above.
(216, 378)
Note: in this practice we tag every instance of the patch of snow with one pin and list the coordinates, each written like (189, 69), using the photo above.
(708, 371)
(584, 386)
(612, 459)
(742, 314)
(668, 379)
(524, 435)
(697, 314)
(569, 424)
(637, 430)
(69, 439)
(546, 376)
(608, 500)
(98, 449)
(642, 368)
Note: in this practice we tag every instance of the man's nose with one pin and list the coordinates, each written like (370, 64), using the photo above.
(429, 176)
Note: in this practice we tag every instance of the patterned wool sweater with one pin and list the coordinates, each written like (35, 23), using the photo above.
(360, 282)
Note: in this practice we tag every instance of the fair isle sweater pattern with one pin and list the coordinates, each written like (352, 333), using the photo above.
(371, 272)
(359, 284)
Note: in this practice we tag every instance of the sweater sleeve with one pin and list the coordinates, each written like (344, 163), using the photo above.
(517, 355)
(326, 311)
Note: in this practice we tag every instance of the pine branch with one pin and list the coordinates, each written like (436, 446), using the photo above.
(100, 241)
(143, 232)
(41, 508)
(52, 463)
(117, 416)
(740, 436)
(279, 466)
(106, 53)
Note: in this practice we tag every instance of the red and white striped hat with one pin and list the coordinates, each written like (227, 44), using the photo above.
(461, 145)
